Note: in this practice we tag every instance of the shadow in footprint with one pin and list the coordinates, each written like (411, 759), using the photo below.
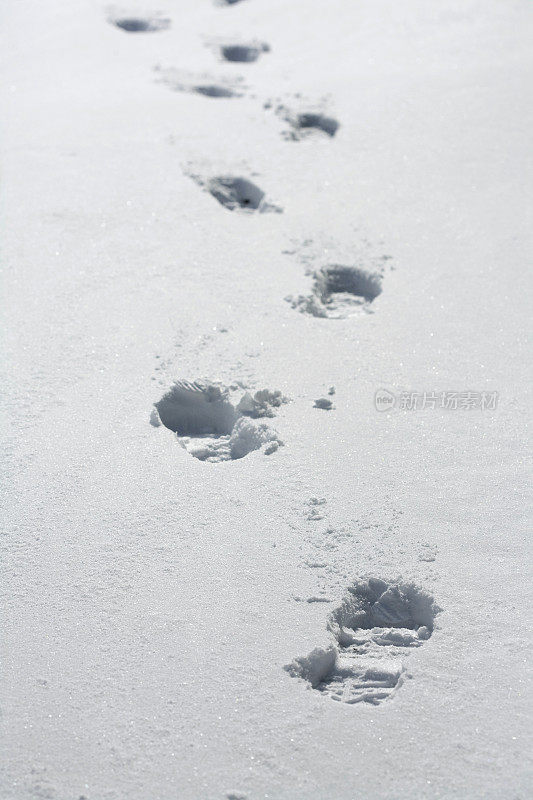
(338, 279)
(236, 193)
(205, 84)
(214, 91)
(141, 25)
(318, 122)
(196, 409)
(304, 123)
(375, 625)
(244, 54)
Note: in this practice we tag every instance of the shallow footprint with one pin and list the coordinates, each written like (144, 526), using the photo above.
(236, 193)
(141, 24)
(205, 85)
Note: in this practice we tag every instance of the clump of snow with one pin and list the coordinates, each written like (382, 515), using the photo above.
(316, 508)
(307, 304)
(325, 403)
(315, 667)
(248, 435)
(262, 404)
(154, 418)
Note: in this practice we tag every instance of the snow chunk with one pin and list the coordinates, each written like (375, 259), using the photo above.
(154, 418)
(315, 667)
(262, 404)
(248, 435)
(323, 402)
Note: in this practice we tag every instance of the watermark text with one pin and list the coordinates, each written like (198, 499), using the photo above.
(468, 400)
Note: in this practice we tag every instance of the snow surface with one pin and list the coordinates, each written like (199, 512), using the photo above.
(153, 604)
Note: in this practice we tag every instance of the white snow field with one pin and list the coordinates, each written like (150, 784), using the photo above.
(231, 596)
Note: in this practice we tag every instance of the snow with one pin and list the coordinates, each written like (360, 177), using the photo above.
(314, 667)
(152, 600)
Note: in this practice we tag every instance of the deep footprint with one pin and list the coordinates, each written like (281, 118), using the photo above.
(211, 428)
(336, 290)
(374, 627)
(141, 25)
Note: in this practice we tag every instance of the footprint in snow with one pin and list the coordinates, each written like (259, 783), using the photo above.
(211, 427)
(374, 627)
(237, 194)
(204, 84)
(309, 121)
(141, 24)
(337, 290)
(243, 53)
(305, 122)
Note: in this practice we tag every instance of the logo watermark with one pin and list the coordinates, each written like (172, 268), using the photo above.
(385, 400)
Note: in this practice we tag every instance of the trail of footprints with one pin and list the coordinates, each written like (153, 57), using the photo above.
(379, 621)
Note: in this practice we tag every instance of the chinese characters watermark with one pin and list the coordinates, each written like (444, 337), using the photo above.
(385, 400)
